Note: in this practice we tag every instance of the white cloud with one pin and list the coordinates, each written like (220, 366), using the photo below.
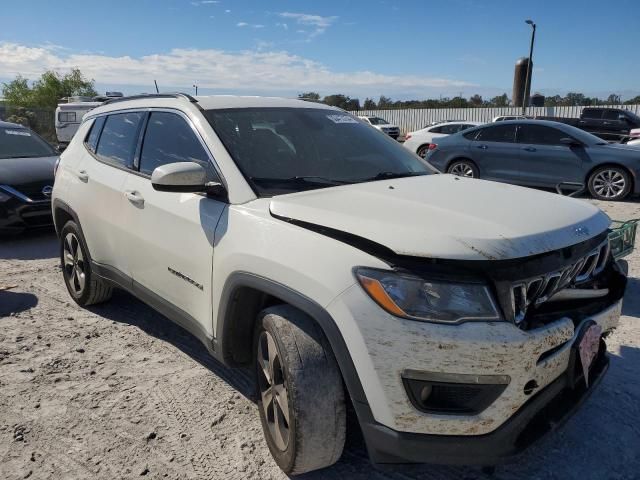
(227, 11)
(248, 71)
(252, 25)
(317, 23)
(197, 3)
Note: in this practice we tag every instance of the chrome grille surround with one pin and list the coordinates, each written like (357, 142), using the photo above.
(539, 289)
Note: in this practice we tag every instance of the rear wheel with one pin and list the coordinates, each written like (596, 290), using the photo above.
(610, 183)
(422, 150)
(301, 397)
(463, 168)
(83, 286)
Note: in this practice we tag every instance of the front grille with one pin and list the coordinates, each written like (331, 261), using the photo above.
(536, 290)
(34, 191)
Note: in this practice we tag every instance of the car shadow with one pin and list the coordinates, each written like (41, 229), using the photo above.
(631, 302)
(29, 245)
(15, 302)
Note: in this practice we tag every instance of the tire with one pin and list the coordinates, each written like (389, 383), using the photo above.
(463, 168)
(422, 150)
(609, 183)
(291, 352)
(84, 287)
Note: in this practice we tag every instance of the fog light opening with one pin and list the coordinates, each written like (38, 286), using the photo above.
(530, 386)
(425, 392)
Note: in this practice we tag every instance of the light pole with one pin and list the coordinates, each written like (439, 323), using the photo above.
(528, 77)
(196, 87)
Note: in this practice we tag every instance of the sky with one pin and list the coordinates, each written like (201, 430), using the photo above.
(400, 49)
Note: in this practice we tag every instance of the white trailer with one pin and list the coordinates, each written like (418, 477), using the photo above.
(68, 119)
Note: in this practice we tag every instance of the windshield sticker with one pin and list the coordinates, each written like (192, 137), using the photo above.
(22, 133)
(342, 119)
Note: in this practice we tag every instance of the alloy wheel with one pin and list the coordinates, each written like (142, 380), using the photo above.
(74, 265)
(273, 390)
(609, 183)
(462, 170)
(422, 151)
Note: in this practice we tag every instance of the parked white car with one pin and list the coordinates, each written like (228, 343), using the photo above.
(502, 118)
(381, 124)
(460, 318)
(420, 140)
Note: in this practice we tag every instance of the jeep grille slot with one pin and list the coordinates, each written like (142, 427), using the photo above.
(537, 290)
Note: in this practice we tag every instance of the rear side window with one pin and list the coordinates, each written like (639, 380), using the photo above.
(119, 138)
(94, 134)
(169, 139)
(500, 133)
(593, 113)
(66, 116)
(436, 130)
(611, 115)
(471, 135)
(540, 135)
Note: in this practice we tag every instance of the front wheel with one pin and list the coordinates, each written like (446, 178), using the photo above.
(301, 397)
(609, 183)
(463, 168)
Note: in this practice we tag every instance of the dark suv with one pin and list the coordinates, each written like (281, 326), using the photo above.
(611, 124)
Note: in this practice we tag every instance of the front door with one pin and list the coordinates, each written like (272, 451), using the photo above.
(172, 234)
(545, 160)
(496, 154)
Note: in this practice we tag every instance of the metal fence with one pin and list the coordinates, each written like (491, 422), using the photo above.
(410, 119)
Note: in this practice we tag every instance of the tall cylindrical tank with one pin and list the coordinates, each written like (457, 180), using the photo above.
(519, 81)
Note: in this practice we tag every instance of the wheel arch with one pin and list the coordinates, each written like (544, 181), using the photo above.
(613, 164)
(245, 295)
(459, 158)
(62, 213)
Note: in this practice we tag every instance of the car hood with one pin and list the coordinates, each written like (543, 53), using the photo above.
(442, 216)
(19, 171)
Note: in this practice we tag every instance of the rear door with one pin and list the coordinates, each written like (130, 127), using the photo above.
(545, 160)
(495, 152)
(614, 125)
(171, 235)
(591, 120)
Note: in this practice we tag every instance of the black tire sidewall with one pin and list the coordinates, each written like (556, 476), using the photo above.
(627, 184)
(72, 227)
(285, 459)
(474, 169)
(424, 147)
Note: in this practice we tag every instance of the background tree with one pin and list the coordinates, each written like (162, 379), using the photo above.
(500, 101)
(311, 96)
(369, 104)
(633, 101)
(384, 102)
(342, 101)
(476, 100)
(613, 99)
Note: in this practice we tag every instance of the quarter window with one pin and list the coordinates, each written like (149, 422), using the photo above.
(540, 135)
(94, 133)
(169, 139)
(119, 138)
(499, 133)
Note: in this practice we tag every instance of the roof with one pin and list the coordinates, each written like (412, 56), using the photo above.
(10, 125)
(78, 105)
(213, 102)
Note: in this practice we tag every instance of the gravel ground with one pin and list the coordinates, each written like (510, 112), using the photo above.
(117, 391)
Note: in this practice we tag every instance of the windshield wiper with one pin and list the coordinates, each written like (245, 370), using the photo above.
(392, 175)
(302, 180)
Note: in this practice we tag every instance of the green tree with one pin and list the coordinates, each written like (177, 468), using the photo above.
(613, 99)
(17, 92)
(633, 101)
(500, 101)
(342, 101)
(310, 96)
(369, 104)
(476, 100)
(384, 102)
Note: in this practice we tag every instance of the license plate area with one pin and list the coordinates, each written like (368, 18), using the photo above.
(586, 349)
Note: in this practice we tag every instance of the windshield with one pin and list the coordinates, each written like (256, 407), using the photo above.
(21, 142)
(378, 121)
(632, 116)
(283, 150)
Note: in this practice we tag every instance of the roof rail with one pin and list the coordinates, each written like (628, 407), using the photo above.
(151, 95)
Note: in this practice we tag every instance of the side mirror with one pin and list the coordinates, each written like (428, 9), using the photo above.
(180, 177)
(571, 142)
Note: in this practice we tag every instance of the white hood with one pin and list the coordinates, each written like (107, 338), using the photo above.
(442, 216)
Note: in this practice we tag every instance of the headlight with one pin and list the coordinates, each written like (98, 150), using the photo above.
(412, 297)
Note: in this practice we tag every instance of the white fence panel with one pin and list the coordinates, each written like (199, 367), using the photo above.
(410, 119)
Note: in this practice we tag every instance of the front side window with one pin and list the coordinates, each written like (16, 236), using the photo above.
(169, 139)
(23, 143)
(540, 135)
(66, 116)
(283, 150)
(500, 133)
(612, 115)
(119, 138)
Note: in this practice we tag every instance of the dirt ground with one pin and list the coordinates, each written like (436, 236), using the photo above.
(117, 391)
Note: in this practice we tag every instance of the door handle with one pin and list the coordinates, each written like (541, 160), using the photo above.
(83, 176)
(529, 149)
(483, 147)
(134, 197)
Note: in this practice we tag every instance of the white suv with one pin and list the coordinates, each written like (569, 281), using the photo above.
(460, 318)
